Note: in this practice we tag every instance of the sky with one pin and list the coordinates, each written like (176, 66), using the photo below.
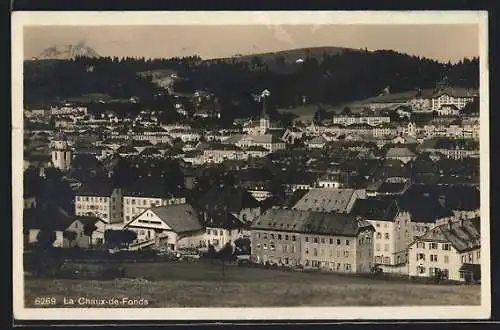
(442, 42)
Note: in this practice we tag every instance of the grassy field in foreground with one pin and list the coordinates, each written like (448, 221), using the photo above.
(202, 285)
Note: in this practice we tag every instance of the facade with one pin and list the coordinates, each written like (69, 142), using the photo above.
(458, 97)
(222, 228)
(101, 200)
(360, 119)
(448, 248)
(62, 155)
(134, 203)
(331, 242)
(81, 239)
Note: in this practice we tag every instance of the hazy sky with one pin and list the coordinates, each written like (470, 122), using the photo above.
(441, 42)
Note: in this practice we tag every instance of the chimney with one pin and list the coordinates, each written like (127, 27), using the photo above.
(450, 225)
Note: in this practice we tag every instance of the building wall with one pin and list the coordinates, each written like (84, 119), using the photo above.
(99, 206)
(134, 205)
(449, 260)
(384, 241)
(334, 253)
(218, 237)
(61, 159)
(276, 247)
(29, 202)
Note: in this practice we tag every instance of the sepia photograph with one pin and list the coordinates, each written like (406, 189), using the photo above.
(250, 165)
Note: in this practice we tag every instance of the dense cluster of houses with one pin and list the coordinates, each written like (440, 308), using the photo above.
(359, 193)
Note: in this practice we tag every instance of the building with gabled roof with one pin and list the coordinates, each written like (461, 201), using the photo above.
(448, 248)
(170, 227)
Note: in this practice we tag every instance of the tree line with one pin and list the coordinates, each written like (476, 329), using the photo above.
(330, 79)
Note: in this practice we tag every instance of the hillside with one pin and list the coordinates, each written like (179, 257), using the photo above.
(285, 61)
(335, 77)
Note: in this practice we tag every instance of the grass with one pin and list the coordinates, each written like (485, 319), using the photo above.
(203, 285)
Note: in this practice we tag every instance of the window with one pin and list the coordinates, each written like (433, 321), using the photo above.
(279, 237)
(377, 225)
(347, 267)
(331, 240)
(258, 235)
(379, 235)
(470, 257)
(272, 247)
(433, 246)
(293, 238)
(420, 256)
(307, 239)
(265, 236)
(322, 240)
(421, 245)
(307, 251)
(315, 240)
(347, 242)
(434, 257)
(338, 242)
(346, 253)
(386, 247)
(272, 236)
(387, 260)
(420, 270)
(286, 237)
(386, 235)
(258, 245)
(478, 255)
(377, 247)
(265, 246)
(464, 259)
(315, 253)
(446, 259)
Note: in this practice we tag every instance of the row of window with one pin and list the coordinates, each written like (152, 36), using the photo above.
(216, 232)
(432, 258)
(316, 240)
(278, 236)
(344, 253)
(434, 246)
(331, 265)
(92, 207)
(432, 271)
(93, 199)
(379, 236)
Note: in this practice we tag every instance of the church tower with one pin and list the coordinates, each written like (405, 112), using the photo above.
(412, 129)
(265, 123)
(61, 155)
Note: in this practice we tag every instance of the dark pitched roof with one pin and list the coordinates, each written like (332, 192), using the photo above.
(375, 209)
(231, 198)
(221, 219)
(310, 222)
(96, 188)
(422, 206)
(463, 235)
(87, 219)
(181, 217)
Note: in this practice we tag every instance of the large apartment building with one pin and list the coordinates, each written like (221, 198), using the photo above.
(101, 200)
(326, 241)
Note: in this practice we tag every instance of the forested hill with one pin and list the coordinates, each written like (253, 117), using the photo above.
(329, 79)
